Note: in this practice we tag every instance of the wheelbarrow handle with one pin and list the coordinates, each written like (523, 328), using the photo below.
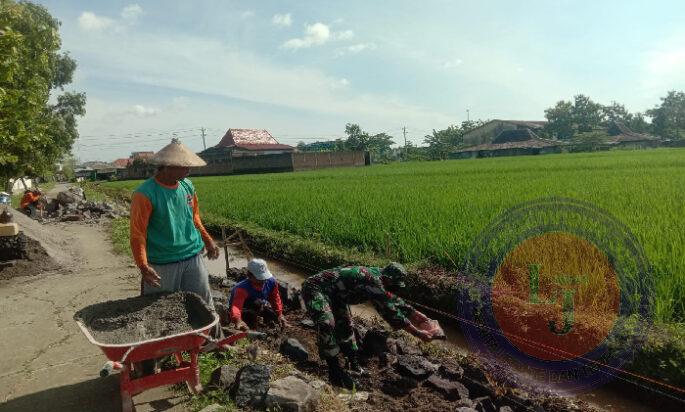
(230, 340)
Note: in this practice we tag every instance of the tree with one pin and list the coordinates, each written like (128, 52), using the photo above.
(668, 118)
(33, 133)
(587, 115)
(442, 142)
(560, 120)
(357, 139)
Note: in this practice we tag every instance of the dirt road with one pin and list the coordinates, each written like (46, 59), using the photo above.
(46, 364)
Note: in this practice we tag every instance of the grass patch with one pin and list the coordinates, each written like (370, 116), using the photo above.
(120, 235)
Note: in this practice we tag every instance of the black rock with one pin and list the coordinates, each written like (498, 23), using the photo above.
(406, 348)
(293, 350)
(218, 297)
(223, 377)
(375, 342)
(477, 389)
(308, 323)
(415, 366)
(450, 390)
(236, 274)
(252, 385)
(289, 295)
(484, 404)
(475, 373)
(224, 313)
(215, 280)
(227, 283)
(397, 385)
(451, 372)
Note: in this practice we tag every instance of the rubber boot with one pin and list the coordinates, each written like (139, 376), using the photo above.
(338, 376)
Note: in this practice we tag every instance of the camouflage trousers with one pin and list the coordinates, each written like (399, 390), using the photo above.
(333, 323)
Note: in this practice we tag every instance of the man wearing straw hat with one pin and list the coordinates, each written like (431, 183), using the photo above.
(167, 235)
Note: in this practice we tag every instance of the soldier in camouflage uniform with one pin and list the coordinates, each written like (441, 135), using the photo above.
(328, 295)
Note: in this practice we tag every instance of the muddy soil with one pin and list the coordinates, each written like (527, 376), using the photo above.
(145, 317)
(23, 256)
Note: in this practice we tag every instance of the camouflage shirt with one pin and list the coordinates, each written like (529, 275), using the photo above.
(357, 284)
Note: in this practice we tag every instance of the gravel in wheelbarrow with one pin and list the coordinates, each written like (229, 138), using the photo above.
(145, 317)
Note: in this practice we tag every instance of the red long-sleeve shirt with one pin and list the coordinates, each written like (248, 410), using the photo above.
(241, 294)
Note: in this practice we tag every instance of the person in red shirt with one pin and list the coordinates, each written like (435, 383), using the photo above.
(259, 289)
(29, 202)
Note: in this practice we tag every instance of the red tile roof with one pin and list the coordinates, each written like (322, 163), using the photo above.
(276, 146)
(251, 139)
(121, 163)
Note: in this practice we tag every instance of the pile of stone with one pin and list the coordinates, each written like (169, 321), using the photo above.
(71, 206)
(251, 387)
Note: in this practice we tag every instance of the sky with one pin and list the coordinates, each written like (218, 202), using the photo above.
(152, 70)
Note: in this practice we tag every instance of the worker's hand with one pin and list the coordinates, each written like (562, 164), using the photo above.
(283, 322)
(423, 335)
(150, 276)
(419, 333)
(240, 325)
(212, 251)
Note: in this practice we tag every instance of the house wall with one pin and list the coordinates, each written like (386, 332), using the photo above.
(322, 160)
(284, 162)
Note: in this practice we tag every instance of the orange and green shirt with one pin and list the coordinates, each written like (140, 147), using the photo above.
(165, 223)
(29, 198)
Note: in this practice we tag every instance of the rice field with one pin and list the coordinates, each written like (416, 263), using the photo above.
(432, 211)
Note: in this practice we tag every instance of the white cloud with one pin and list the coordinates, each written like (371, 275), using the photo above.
(170, 61)
(283, 20)
(343, 35)
(452, 63)
(247, 14)
(314, 35)
(131, 13)
(142, 111)
(354, 49)
(90, 22)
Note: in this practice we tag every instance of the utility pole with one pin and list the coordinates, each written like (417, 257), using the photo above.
(468, 118)
(204, 145)
(404, 133)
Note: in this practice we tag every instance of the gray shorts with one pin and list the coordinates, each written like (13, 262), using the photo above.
(189, 275)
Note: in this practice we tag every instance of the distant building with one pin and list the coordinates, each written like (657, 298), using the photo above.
(141, 156)
(620, 134)
(122, 163)
(488, 132)
(245, 142)
(511, 142)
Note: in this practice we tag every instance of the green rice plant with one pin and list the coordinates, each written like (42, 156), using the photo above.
(433, 211)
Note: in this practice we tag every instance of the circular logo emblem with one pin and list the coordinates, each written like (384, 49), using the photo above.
(560, 290)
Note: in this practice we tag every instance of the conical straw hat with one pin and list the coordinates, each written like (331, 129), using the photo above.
(177, 154)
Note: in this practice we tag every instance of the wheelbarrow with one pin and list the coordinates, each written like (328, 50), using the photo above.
(123, 357)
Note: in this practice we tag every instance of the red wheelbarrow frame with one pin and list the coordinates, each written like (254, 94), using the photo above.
(122, 357)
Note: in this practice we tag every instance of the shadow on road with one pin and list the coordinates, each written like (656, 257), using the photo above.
(96, 395)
